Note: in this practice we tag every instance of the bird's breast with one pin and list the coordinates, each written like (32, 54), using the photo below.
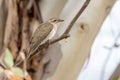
(51, 34)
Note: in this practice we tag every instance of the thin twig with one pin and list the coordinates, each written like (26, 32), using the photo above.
(58, 39)
(77, 16)
(1, 65)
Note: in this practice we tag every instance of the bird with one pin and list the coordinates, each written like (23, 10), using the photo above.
(44, 32)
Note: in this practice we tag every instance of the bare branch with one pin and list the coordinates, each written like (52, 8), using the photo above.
(77, 16)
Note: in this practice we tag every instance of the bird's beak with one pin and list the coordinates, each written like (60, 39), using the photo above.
(60, 20)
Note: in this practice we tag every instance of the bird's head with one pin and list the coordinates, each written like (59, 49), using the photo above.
(55, 20)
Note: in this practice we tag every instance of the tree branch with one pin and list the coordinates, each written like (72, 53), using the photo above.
(77, 16)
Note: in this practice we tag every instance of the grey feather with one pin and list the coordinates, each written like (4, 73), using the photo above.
(40, 34)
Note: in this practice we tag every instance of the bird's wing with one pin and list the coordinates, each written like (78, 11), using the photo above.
(40, 34)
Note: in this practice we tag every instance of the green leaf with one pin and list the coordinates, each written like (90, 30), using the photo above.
(8, 59)
(116, 78)
(17, 71)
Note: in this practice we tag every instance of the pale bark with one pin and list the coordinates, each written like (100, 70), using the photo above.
(51, 8)
(76, 49)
